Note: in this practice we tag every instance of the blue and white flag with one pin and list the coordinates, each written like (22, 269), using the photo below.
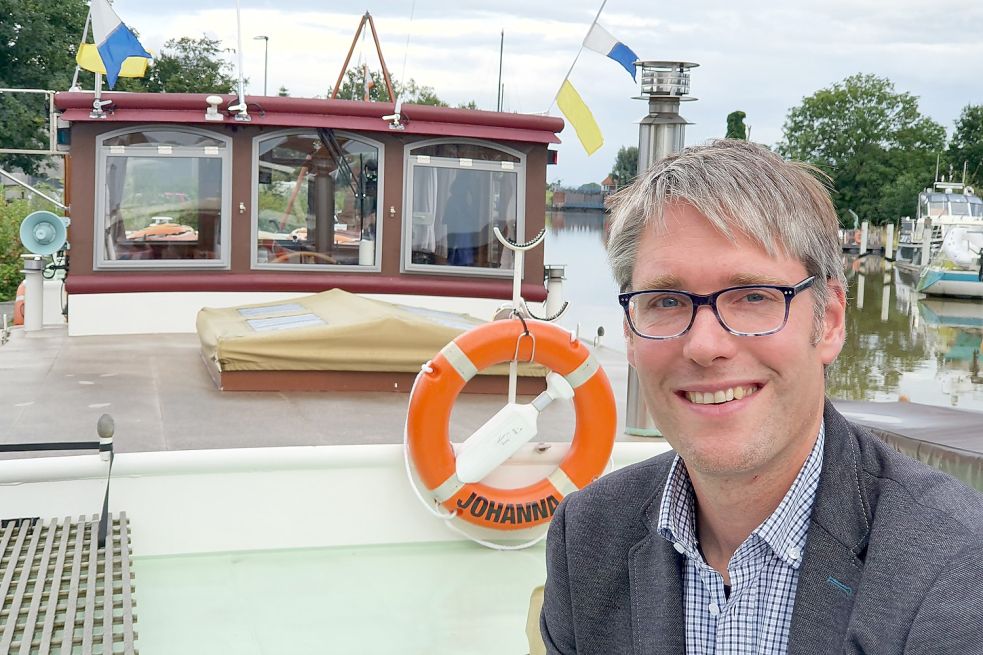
(600, 40)
(114, 40)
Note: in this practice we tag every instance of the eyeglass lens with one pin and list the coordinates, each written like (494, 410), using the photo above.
(754, 310)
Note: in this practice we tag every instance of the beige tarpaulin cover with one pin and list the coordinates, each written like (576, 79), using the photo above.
(331, 331)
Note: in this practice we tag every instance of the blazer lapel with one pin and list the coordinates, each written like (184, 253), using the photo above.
(832, 566)
(828, 584)
(654, 571)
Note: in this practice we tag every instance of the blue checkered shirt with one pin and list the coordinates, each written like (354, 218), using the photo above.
(764, 572)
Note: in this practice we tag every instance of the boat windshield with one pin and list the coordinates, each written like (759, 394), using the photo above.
(958, 205)
(950, 204)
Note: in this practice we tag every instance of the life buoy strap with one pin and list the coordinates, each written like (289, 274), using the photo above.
(580, 375)
(562, 482)
(447, 489)
(459, 361)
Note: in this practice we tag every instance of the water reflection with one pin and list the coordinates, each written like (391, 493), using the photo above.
(899, 343)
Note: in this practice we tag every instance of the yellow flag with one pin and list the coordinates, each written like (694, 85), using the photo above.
(573, 107)
(88, 58)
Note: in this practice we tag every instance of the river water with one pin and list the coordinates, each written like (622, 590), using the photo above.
(899, 343)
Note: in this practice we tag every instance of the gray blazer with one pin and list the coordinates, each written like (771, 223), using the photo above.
(893, 561)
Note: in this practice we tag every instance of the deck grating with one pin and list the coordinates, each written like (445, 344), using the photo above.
(62, 593)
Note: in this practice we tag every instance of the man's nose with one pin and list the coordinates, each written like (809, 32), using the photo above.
(708, 340)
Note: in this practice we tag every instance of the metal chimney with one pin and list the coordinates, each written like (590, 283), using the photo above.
(662, 132)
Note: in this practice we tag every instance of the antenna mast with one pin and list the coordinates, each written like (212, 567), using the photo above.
(367, 18)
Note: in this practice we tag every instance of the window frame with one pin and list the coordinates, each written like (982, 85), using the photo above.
(223, 262)
(254, 214)
(409, 165)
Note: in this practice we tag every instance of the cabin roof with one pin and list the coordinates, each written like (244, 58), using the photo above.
(275, 111)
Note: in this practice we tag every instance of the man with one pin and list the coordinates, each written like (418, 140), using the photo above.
(776, 526)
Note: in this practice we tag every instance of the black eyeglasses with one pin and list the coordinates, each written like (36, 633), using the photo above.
(752, 310)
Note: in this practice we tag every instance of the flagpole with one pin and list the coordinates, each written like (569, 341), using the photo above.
(85, 35)
(242, 113)
(577, 57)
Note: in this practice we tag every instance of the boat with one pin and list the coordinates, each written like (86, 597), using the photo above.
(959, 313)
(940, 207)
(269, 522)
(173, 201)
(957, 269)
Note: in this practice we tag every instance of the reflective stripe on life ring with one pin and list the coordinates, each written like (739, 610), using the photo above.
(436, 389)
(19, 304)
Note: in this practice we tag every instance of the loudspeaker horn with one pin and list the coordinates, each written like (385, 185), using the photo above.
(44, 233)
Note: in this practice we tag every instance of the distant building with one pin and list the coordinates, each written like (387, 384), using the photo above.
(610, 184)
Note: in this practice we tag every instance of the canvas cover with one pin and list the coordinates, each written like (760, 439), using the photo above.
(331, 331)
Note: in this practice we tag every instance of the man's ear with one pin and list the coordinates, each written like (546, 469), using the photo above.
(834, 324)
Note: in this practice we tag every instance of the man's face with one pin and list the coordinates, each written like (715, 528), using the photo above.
(780, 376)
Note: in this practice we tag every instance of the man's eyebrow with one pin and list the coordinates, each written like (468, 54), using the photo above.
(741, 279)
(665, 281)
(670, 281)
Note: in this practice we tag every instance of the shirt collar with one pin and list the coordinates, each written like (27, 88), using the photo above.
(784, 531)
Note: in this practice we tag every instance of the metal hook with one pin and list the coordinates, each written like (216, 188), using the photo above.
(512, 245)
(555, 316)
(518, 343)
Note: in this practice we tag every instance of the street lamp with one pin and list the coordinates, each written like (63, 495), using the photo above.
(266, 58)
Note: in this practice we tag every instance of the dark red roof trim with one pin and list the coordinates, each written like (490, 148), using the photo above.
(298, 282)
(312, 112)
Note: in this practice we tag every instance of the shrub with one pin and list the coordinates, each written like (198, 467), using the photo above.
(11, 215)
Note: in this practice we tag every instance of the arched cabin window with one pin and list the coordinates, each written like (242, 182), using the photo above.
(162, 199)
(456, 193)
(316, 194)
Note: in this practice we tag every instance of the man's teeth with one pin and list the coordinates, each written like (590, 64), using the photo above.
(717, 397)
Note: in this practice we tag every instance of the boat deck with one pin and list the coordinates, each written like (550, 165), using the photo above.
(161, 397)
(159, 393)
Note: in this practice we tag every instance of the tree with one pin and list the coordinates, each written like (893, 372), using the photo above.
(353, 87)
(873, 142)
(966, 146)
(188, 65)
(590, 187)
(735, 126)
(38, 43)
(625, 165)
(283, 92)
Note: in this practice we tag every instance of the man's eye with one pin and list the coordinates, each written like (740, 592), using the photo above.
(663, 302)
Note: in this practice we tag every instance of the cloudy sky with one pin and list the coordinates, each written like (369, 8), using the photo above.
(759, 57)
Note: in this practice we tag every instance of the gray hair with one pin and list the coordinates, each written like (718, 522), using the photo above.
(743, 189)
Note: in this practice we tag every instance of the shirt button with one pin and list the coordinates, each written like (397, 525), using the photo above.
(680, 548)
(714, 609)
(793, 552)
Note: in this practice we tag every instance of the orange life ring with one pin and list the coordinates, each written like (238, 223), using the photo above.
(19, 304)
(437, 387)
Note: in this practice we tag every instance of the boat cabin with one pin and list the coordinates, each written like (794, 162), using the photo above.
(177, 203)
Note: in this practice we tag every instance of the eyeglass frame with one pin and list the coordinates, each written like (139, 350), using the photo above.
(710, 300)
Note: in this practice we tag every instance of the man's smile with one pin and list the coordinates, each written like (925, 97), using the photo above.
(720, 395)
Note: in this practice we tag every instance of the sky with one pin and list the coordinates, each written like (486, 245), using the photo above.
(759, 57)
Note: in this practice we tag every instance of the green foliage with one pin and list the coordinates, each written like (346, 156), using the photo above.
(735, 126)
(283, 92)
(966, 146)
(38, 42)
(187, 65)
(353, 87)
(876, 146)
(11, 215)
(625, 165)
(590, 187)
